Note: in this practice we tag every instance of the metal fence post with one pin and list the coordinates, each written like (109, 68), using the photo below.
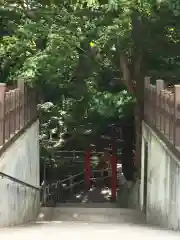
(114, 176)
(71, 183)
(87, 171)
(44, 187)
(74, 155)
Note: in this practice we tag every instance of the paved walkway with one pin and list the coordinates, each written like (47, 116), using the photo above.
(82, 231)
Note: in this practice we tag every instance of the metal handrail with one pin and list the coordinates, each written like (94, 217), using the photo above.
(46, 187)
(101, 170)
(52, 190)
(74, 151)
(39, 188)
(67, 179)
(19, 181)
(71, 177)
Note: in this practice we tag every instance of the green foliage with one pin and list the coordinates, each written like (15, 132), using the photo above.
(47, 43)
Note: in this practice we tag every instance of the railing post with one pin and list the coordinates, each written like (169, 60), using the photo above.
(177, 115)
(102, 172)
(147, 82)
(159, 87)
(74, 155)
(114, 177)
(71, 183)
(20, 84)
(44, 187)
(44, 193)
(2, 113)
(87, 169)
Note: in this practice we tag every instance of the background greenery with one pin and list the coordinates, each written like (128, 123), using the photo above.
(87, 60)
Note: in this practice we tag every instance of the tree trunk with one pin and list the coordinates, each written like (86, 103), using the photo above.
(132, 72)
(128, 167)
(139, 110)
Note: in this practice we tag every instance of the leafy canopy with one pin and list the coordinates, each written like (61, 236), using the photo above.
(82, 56)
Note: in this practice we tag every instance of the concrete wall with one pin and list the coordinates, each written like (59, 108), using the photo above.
(20, 204)
(133, 197)
(163, 182)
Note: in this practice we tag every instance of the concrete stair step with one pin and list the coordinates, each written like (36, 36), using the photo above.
(80, 230)
(72, 212)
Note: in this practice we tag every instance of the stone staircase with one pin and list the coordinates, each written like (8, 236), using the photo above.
(91, 213)
(97, 221)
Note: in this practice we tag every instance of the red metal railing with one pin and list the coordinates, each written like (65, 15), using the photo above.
(17, 109)
(78, 179)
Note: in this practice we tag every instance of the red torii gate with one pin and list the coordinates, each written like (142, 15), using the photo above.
(87, 174)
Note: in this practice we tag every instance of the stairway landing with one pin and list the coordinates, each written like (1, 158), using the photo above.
(94, 194)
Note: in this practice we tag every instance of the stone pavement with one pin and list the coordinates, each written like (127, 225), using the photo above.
(88, 231)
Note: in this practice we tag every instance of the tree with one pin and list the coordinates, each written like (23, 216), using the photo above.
(146, 39)
(82, 56)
